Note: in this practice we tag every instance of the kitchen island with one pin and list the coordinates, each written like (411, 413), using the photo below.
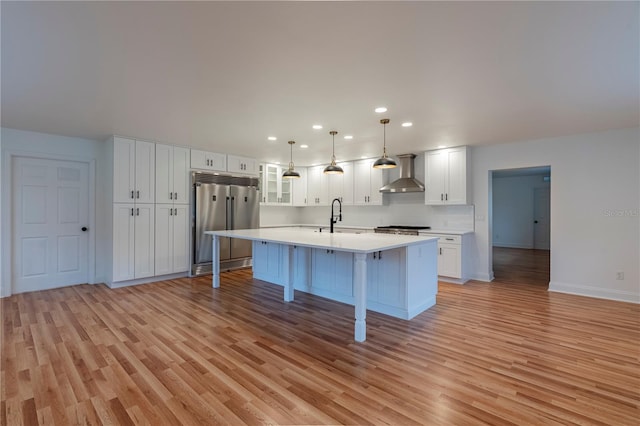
(399, 271)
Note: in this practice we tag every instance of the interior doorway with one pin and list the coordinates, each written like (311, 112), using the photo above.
(520, 225)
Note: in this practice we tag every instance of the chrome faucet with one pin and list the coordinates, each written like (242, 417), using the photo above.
(333, 217)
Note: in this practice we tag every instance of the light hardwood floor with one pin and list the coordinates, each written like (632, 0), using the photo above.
(180, 352)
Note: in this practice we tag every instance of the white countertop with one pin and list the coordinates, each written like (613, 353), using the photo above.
(355, 243)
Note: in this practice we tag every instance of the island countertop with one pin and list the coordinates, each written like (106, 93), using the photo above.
(355, 243)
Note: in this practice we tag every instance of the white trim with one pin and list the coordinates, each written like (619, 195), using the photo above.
(7, 212)
(509, 245)
(452, 280)
(594, 291)
(480, 276)
(147, 280)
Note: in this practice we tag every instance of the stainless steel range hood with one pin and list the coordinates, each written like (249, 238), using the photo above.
(407, 182)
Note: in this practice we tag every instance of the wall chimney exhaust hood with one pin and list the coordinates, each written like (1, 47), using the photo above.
(406, 182)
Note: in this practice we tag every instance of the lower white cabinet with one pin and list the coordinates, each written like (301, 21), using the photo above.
(453, 256)
(332, 273)
(171, 238)
(449, 260)
(268, 262)
(133, 241)
(386, 281)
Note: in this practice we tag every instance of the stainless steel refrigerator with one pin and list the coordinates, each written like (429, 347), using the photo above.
(222, 203)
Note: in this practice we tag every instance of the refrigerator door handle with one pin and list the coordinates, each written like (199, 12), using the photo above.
(232, 213)
(228, 224)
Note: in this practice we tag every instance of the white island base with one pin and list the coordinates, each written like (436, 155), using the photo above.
(391, 274)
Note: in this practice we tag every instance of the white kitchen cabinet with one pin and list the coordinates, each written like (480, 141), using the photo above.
(172, 174)
(299, 188)
(317, 186)
(340, 186)
(276, 190)
(332, 273)
(449, 260)
(386, 281)
(133, 171)
(171, 238)
(453, 256)
(367, 182)
(133, 241)
(208, 161)
(242, 165)
(268, 261)
(446, 176)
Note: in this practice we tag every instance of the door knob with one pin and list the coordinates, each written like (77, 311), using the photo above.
(84, 229)
(535, 221)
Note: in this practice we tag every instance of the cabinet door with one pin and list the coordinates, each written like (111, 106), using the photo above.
(285, 188)
(145, 172)
(300, 188)
(260, 260)
(208, 160)
(376, 181)
(144, 233)
(449, 260)
(123, 242)
(317, 187)
(271, 184)
(124, 154)
(199, 159)
(456, 177)
(347, 182)
(322, 272)
(241, 165)
(181, 184)
(163, 239)
(362, 181)
(343, 273)
(435, 171)
(180, 230)
(391, 277)
(164, 174)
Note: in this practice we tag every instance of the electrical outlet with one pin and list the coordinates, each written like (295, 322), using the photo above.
(620, 275)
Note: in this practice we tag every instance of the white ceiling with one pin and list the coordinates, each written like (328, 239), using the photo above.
(223, 76)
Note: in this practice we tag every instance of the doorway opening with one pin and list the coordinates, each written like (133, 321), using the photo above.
(520, 225)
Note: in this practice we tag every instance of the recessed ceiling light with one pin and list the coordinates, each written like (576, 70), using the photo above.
(304, 146)
(277, 162)
(317, 126)
(407, 124)
(364, 157)
(381, 109)
(272, 138)
(348, 137)
(442, 146)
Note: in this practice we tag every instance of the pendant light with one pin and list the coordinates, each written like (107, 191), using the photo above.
(384, 162)
(290, 173)
(333, 168)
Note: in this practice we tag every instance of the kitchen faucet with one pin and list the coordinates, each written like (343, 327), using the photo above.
(333, 219)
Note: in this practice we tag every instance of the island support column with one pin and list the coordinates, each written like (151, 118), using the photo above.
(360, 292)
(288, 284)
(215, 261)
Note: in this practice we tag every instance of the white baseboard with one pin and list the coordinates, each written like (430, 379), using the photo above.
(147, 280)
(593, 291)
(481, 276)
(512, 245)
(452, 280)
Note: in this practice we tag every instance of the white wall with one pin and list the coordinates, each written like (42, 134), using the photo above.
(513, 205)
(23, 143)
(595, 207)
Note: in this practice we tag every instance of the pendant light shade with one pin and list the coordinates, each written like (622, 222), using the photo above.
(384, 162)
(290, 173)
(333, 168)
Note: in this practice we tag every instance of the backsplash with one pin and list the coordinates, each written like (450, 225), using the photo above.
(395, 213)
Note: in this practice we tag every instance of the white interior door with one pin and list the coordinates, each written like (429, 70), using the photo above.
(50, 211)
(541, 213)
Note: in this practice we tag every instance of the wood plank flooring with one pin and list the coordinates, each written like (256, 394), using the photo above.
(180, 352)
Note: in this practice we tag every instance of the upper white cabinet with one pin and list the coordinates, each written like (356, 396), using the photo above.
(242, 165)
(208, 161)
(299, 188)
(367, 182)
(341, 186)
(317, 186)
(275, 189)
(133, 171)
(172, 174)
(446, 176)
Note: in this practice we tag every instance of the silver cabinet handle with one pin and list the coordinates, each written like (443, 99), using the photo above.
(446, 197)
(170, 212)
(137, 194)
(132, 212)
(175, 195)
(175, 212)
(171, 195)
(132, 193)
(137, 212)
(441, 197)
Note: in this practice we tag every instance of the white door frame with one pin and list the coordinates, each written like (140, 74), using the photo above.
(6, 249)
